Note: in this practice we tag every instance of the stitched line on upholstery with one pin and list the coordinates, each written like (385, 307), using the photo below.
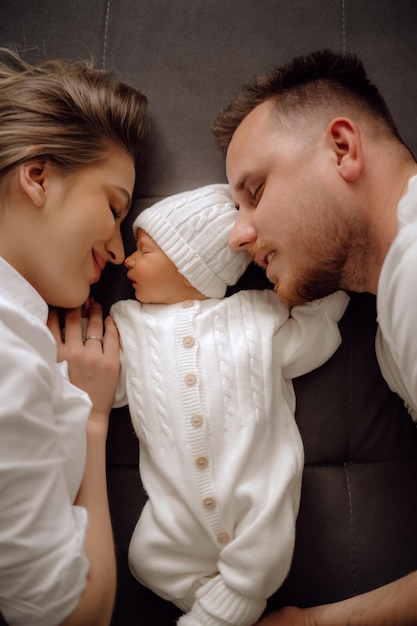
(343, 26)
(106, 29)
(352, 538)
(360, 463)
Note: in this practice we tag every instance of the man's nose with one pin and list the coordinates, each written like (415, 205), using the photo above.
(243, 234)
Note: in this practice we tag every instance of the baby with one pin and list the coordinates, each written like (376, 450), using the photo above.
(208, 383)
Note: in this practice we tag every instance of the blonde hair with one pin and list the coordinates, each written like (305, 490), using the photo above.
(67, 112)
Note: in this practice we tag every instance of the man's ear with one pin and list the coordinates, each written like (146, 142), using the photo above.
(347, 146)
(32, 175)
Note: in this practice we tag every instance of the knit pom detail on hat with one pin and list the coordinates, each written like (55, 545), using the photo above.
(193, 228)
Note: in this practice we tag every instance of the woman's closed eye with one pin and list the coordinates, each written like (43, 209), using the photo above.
(116, 214)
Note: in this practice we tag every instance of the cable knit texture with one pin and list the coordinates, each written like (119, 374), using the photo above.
(209, 390)
(216, 605)
(193, 229)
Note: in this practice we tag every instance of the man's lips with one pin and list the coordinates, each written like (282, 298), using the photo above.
(263, 258)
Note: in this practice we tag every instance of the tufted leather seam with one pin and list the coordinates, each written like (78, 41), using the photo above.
(350, 387)
(405, 460)
(105, 34)
(352, 534)
(343, 26)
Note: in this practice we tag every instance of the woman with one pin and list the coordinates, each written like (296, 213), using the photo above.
(71, 137)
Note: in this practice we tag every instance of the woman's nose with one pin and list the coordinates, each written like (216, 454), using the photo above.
(115, 248)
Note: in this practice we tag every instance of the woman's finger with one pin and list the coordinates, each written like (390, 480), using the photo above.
(94, 330)
(73, 326)
(111, 342)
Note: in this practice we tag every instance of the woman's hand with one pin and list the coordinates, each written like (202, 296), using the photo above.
(91, 349)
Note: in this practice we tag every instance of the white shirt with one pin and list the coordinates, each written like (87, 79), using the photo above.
(212, 402)
(396, 341)
(43, 567)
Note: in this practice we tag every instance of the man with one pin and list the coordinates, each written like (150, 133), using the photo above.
(327, 196)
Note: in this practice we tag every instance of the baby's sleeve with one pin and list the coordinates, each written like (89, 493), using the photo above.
(120, 398)
(310, 335)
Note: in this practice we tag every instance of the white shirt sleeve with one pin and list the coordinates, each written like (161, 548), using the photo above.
(43, 565)
(396, 342)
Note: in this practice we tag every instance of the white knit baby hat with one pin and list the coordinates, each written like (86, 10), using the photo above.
(193, 229)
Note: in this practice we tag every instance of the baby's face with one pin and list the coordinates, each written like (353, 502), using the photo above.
(154, 276)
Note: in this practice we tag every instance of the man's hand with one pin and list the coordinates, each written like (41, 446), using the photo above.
(288, 616)
(394, 604)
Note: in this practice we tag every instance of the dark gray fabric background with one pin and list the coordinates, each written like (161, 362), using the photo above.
(358, 518)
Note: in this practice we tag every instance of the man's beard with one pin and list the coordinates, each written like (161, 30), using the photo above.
(311, 284)
(338, 257)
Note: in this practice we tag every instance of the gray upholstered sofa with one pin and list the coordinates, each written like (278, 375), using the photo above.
(358, 518)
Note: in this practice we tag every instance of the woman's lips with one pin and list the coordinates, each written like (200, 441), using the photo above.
(99, 264)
